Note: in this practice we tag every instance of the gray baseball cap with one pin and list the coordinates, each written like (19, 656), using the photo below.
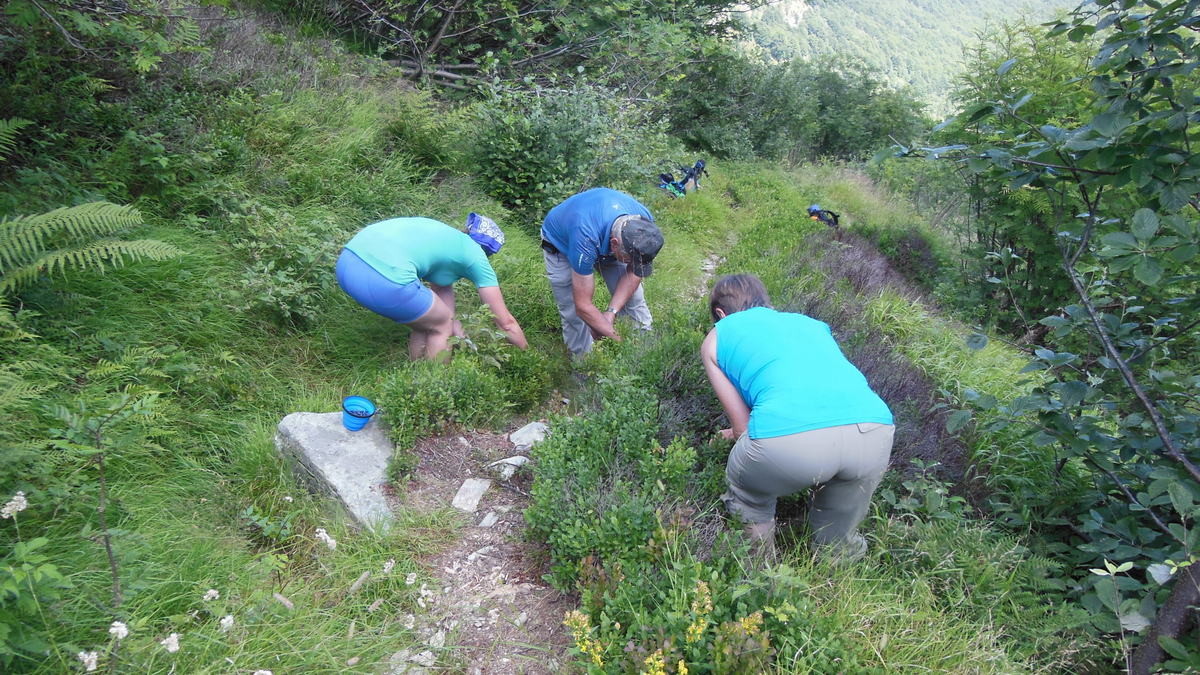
(642, 240)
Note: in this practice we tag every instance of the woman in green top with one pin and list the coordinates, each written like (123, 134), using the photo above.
(386, 265)
(802, 415)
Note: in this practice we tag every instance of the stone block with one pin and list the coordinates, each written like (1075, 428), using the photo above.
(469, 494)
(350, 466)
(529, 435)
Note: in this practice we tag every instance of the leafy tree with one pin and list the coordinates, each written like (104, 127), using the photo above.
(1121, 400)
(454, 43)
(798, 110)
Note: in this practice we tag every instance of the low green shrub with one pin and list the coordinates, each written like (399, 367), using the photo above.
(587, 497)
(288, 262)
(423, 397)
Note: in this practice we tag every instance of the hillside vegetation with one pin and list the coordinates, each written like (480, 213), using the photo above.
(1019, 285)
(918, 43)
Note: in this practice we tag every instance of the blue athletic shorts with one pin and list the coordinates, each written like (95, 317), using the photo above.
(403, 303)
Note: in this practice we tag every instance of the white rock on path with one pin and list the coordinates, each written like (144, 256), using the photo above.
(470, 493)
(529, 435)
(489, 520)
(505, 468)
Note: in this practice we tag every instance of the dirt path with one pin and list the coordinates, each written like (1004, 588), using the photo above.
(487, 610)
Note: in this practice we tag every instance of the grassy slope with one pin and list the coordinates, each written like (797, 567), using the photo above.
(316, 156)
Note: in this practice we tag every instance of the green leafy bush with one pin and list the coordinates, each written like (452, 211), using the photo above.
(587, 499)
(534, 148)
(288, 262)
(423, 397)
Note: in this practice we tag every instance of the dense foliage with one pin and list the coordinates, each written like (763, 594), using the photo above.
(144, 506)
(1118, 189)
(919, 43)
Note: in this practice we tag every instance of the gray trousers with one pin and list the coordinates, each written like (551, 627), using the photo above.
(576, 333)
(846, 462)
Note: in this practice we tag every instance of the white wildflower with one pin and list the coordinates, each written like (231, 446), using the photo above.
(118, 630)
(14, 506)
(171, 643)
(411, 578)
(89, 660)
(212, 594)
(288, 499)
(324, 536)
(387, 566)
(226, 623)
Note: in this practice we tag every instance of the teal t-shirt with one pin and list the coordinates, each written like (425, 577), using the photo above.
(792, 374)
(407, 249)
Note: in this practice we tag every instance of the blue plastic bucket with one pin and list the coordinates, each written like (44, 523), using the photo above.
(356, 412)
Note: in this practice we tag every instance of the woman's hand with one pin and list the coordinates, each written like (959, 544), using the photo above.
(727, 434)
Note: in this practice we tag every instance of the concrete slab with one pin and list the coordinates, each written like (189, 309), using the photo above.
(350, 466)
(469, 494)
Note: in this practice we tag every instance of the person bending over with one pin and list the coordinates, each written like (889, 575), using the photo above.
(801, 415)
(385, 268)
(605, 230)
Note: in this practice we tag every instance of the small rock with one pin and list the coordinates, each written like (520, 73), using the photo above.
(480, 553)
(352, 661)
(470, 493)
(438, 640)
(425, 658)
(489, 520)
(464, 442)
(505, 468)
(520, 621)
(409, 621)
(529, 435)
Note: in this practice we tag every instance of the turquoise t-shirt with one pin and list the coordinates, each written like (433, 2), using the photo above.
(407, 249)
(580, 226)
(792, 374)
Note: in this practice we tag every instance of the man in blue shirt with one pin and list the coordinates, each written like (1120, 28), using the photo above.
(605, 230)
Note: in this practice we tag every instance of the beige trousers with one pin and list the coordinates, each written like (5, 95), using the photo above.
(845, 462)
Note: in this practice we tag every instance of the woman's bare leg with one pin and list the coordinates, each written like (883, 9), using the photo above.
(431, 332)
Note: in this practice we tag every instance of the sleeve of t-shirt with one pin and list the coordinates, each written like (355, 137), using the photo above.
(582, 252)
(480, 271)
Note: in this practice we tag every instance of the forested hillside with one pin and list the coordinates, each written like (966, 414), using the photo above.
(918, 43)
(1018, 285)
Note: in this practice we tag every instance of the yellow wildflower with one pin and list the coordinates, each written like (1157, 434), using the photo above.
(751, 624)
(581, 630)
(681, 668)
(655, 664)
(702, 603)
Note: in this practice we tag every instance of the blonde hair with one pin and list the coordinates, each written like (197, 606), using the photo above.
(737, 292)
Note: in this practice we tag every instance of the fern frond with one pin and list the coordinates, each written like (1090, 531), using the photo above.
(8, 132)
(96, 256)
(10, 329)
(24, 237)
(15, 389)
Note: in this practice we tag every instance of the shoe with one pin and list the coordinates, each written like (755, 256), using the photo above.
(848, 550)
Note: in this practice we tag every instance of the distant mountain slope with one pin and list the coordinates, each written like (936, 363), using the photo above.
(916, 42)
